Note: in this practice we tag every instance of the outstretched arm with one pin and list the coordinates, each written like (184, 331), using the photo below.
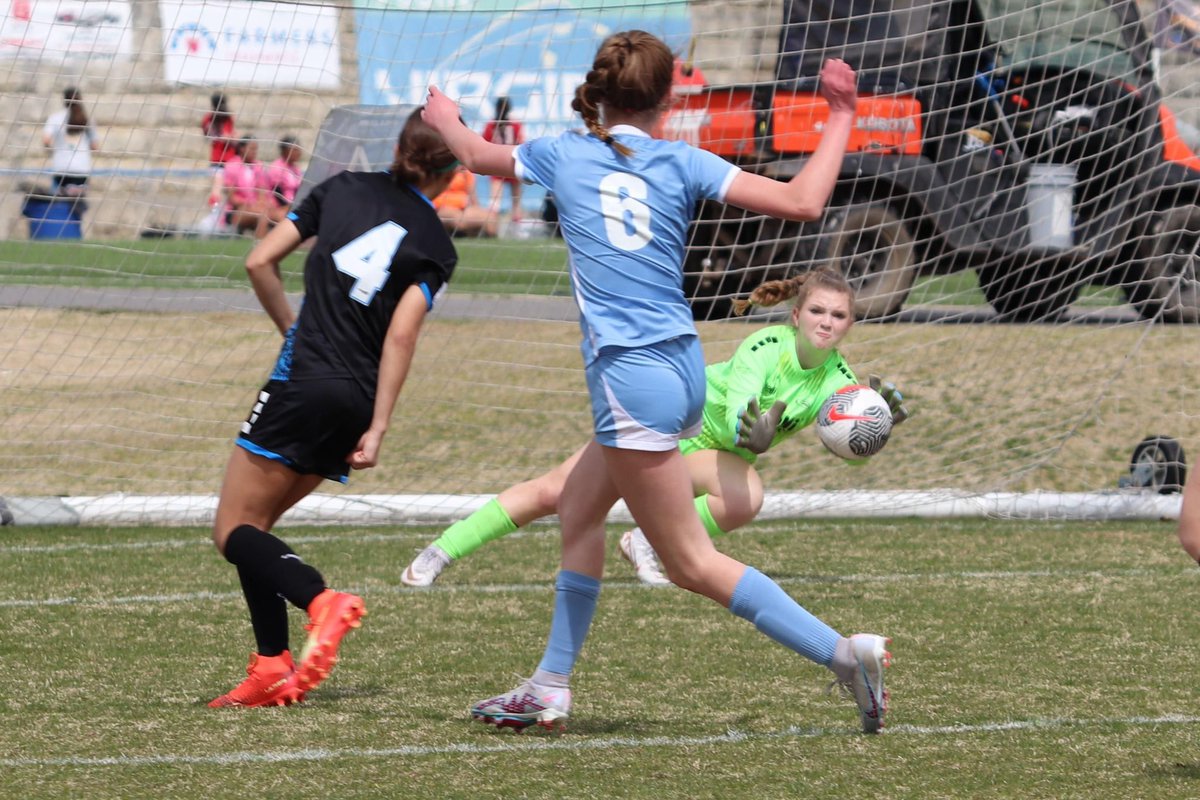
(478, 154)
(804, 196)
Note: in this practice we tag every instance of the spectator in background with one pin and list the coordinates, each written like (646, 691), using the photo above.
(72, 137)
(459, 209)
(218, 129)
(242, 182)
(280, 181)
(502, 130)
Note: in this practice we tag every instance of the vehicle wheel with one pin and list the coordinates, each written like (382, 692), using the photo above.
(1028, 292)
(729, 253)
(1165, 284)
(1158, 464)
(870, 245)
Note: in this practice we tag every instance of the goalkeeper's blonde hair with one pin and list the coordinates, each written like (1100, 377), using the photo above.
(770, 293)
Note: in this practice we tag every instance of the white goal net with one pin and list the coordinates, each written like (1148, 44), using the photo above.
(1019, 210)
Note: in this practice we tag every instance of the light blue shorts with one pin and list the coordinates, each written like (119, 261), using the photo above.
(647, 398)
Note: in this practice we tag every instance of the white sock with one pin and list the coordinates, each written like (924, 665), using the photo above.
(550, 680)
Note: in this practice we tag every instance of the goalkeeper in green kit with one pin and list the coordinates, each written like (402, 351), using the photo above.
(788, 369)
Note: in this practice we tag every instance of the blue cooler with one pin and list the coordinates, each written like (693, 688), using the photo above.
(53, 217)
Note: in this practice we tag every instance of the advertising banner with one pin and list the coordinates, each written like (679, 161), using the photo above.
(278, 45)
(534, 53)
(63, 30)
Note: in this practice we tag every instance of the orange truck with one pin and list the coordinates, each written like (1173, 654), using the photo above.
(1024, 140)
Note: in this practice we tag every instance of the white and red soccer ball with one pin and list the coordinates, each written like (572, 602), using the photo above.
(854, 423)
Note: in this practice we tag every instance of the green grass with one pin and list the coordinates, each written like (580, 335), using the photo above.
(484, 266)
(490, 266)
(1032, 660)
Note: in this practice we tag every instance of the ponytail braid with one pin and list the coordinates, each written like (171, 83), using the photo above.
(771, 293)
(587, 103)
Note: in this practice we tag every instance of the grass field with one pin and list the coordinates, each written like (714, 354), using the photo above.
(493, 266)
(484, 266)
(1032, 660)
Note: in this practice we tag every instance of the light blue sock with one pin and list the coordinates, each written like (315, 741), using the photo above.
(575, 597)
(759, 599)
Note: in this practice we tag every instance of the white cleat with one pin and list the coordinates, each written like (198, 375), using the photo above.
(426, 567)
(637, 551)
(871, 657)
(526, 705)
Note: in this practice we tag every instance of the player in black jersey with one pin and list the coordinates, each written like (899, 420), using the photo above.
(381, 256)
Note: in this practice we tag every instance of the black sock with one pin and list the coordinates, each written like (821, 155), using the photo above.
(268, 615)
(270, 563)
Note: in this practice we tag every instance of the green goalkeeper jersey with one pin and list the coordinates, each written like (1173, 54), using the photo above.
(765, 366)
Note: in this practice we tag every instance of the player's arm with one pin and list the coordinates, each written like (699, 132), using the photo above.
(262, 266)
(478, 154)
(398, 347)
(804, 196)
(744, 423)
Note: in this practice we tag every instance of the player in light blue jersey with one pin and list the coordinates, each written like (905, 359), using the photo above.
(625, 202)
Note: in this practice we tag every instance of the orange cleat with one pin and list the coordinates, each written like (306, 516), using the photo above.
(332, 615)
(270, 681)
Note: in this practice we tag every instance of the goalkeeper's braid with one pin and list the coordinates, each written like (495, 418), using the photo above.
(771, 293)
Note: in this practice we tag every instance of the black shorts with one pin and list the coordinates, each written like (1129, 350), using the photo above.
(310, 426)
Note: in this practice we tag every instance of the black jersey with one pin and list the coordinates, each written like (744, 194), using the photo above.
(375, 239)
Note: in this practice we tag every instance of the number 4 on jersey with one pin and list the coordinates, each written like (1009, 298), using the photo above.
(368, 258)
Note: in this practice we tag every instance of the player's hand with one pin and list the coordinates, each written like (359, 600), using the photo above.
(366, 454)
(839, 85)
(891, 395)
(440, 111)
(755, 430)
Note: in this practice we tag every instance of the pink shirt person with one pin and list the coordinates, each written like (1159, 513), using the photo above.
(242, 181)
(281, 180)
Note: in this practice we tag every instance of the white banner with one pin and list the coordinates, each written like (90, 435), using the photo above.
(276, 45)
(62, 30)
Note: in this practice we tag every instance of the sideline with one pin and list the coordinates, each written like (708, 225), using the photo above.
(523, 743)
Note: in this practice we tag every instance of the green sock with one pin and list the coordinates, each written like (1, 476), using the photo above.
(468, 535)
(710, 524)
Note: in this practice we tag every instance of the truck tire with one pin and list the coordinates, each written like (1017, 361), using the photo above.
(869, 244)
(1028, 292)
(729, 253)
(1158, 463)
(1165, 284)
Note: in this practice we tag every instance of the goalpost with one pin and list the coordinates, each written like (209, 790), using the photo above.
(1020, 211)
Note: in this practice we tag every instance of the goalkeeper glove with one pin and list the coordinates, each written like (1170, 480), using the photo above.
(891, 395)
(755, 430)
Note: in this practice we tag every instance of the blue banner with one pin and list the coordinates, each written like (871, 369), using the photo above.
(535, 54)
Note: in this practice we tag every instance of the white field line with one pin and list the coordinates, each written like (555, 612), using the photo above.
(548, 586)
(524, 744)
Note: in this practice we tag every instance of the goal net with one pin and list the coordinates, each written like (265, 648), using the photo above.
(1019, 211)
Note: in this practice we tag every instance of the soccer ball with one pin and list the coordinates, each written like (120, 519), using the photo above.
(854, 423)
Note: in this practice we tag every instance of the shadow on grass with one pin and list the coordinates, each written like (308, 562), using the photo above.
(1189, 771)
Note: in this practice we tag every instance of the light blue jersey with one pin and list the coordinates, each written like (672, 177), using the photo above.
(625, 221)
